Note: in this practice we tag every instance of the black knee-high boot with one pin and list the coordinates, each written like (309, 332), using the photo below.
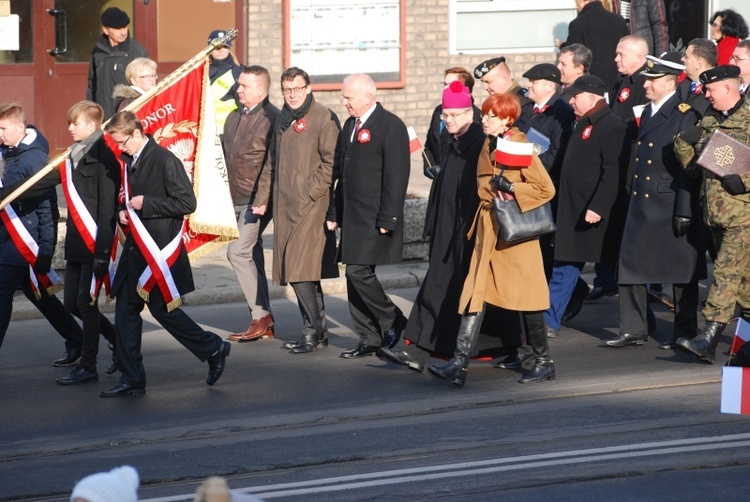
(536, 336)
(457, 367)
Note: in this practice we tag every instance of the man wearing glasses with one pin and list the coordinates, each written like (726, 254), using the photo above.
(110, 57)
(299, 170)
(741, 58)
(159, 196)
(438, 138)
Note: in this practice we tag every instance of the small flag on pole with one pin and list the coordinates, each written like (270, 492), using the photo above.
(414, 144)
(735, 390)
(513, 153)
(741, 336)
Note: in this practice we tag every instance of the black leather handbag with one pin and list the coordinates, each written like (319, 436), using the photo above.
(516, 226)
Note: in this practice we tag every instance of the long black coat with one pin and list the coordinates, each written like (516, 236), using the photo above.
(600, 31)
(434, 319)
(372, 176)
(168, 196)
(556, 122)
(650, 251)
(627, 93)
(590, 179)
(97, 181)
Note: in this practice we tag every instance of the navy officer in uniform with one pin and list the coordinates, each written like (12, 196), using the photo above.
(662, 241)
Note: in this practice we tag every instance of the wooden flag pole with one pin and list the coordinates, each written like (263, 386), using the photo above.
(215, 44)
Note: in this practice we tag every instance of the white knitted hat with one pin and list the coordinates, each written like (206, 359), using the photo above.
(118, 485)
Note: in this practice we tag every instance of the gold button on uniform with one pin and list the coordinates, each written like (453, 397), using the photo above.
(646, 196)
(650, 144)
(648, 178)
(648, 162)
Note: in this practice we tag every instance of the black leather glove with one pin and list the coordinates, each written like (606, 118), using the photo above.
(100, 267)
(692, 135)
(680, 225)
(43, 264)
(503, 184)
(733, 184)
(431, 171)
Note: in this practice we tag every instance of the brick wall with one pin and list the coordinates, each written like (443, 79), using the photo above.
(426, 58)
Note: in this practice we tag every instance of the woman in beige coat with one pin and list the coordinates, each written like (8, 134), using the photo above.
(507, 275)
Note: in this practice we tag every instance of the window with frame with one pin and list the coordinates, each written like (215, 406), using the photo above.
(330, 39)
(508, 26)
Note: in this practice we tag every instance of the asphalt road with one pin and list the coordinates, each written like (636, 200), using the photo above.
(617, 424)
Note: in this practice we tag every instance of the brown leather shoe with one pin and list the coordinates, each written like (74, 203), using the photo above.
(259, 329)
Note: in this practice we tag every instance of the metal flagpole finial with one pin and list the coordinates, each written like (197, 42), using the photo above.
(229, 35)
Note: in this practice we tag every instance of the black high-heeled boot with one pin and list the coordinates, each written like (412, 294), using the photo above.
(456, 369)
(536, 335)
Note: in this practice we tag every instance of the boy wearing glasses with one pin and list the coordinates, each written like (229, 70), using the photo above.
(158, 197)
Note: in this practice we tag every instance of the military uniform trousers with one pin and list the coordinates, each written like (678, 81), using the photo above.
(731, 285)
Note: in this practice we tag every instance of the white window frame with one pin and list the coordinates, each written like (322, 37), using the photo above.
(468, 6)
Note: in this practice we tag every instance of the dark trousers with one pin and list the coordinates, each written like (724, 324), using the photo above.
(372, 310)
(11, 278)
(564, 278)
(311, 306)
(129, 331)
(77, 299)
(634, 311)
(605, 276)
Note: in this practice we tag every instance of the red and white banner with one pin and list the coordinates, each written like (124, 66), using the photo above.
(29, 249)
(513, 153)
(741, 336)
(87, 228)
(414, 143)
(735, 390)
(181, 119)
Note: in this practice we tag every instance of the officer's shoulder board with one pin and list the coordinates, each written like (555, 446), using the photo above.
(683, 107)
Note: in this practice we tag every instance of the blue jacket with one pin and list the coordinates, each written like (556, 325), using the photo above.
(18, 163)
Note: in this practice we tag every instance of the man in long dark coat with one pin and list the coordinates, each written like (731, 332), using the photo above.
(160, 196)
(372, 168)
(589, 184)
(434, 319)
(661, 241)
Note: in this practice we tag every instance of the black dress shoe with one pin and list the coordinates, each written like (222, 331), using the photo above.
(393, 335)
(79, 375)
(123, 389)
(70, 358)
(308, 343)
(627, 339)
(598, 293)
(401, 357)
(217, 362)
(552, 332)
(515, 360)
(292, 345)
(670, 345)
(360, 351)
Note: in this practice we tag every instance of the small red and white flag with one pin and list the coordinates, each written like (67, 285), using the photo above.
(414, 143)
(637, 112)
(513, 153)
(735, 390)
(741, 336)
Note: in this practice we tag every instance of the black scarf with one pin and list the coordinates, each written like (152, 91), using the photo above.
(287, 115)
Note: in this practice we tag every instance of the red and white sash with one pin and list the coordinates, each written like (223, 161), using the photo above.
(159, 260)
(29, 249)
(86, 227)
